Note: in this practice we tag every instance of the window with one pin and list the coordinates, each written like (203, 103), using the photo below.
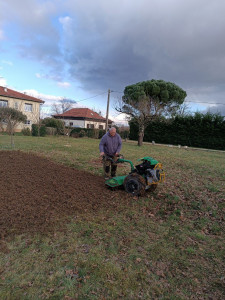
(16, 105)
(71, 123)
(90, 126)
(27, 122)
(100, 126)
(28, 107)
(3, 103)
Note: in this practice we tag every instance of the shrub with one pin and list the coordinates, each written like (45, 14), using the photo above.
(40, 132)
(124, 134)
(75, 135)
(34, 130)
(52, 122)
(82, 133)
(101, 133)
(26, 131)
(51, 131)
(89, 132)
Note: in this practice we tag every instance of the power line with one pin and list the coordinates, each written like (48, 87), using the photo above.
(116, 92)
(186, 100)
(122, 93)
(91, 97)
(205, 102)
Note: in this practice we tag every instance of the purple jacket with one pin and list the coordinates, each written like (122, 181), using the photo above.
(110, 145)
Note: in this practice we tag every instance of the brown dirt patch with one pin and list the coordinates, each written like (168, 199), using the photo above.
(38, 195)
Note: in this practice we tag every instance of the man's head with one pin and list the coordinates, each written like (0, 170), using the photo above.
(112, 131)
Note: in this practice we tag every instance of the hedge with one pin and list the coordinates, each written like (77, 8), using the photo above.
(35, 130)
(88, 132)
(198, 130)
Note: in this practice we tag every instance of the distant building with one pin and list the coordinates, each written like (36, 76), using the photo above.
(83, 118)
(28, 105)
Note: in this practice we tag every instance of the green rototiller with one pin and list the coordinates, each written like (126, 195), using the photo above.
(142, 177)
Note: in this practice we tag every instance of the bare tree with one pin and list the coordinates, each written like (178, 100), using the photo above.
(98, 111)
(65, 130)
(183, 110)
(62, 106)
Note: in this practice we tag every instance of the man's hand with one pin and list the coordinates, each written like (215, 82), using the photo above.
(102, 153)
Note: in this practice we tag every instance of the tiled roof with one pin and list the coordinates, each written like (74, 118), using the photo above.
(14, 94)
(81, 113)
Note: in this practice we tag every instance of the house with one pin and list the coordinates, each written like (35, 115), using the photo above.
(28, 105)
(83, 118)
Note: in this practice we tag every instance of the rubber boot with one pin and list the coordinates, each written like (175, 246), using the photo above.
(113, 170)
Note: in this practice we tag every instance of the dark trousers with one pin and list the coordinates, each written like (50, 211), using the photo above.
(109, 165)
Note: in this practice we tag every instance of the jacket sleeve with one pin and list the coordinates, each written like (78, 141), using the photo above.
(119, 144)
(102, 143)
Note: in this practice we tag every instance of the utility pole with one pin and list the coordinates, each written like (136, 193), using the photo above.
(107, 111)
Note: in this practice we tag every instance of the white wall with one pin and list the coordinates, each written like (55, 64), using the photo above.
(96, 124)
(76, 123)
(82, 123)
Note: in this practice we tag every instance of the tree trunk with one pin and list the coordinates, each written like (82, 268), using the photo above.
(11, 137)
(140, 135)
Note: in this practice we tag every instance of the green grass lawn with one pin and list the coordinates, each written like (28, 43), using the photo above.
(165, 245)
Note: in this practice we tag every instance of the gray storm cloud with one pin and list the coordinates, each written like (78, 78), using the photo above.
(116, 45)
(112, 44)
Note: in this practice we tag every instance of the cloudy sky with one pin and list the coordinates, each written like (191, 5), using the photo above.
(80, 49)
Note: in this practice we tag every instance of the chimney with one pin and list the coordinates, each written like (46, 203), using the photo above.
(5, 89)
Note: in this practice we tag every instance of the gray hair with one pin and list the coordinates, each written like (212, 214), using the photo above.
(112, 129)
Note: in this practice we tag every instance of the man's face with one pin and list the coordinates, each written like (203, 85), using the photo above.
(112, 132)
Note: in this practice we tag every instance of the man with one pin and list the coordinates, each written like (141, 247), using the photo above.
(110, 146)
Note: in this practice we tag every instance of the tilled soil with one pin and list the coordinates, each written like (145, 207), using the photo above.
(38, 195)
